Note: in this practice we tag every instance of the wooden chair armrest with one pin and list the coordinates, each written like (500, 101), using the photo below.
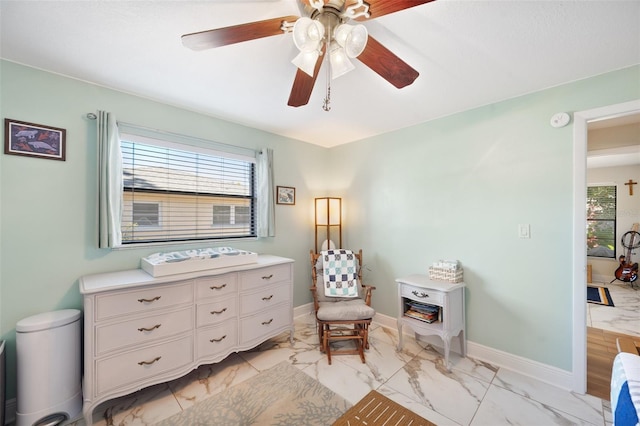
(314, 293)
(367, 293)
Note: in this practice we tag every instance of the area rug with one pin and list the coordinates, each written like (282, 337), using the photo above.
(282, 395)
(599, 296)
(376, 409)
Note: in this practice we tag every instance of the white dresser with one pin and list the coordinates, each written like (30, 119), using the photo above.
(140, 330)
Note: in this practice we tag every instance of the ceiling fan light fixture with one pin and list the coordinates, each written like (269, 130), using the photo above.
(353, 38)
(306, 61)
(307, 34)
(341, 33)
(356, 41)
(340, 63)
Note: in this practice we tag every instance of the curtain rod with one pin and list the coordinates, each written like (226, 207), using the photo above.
(93, 116)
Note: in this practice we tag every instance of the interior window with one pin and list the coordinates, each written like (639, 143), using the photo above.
(601, 221)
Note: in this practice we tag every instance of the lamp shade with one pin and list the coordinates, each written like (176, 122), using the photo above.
(307, 34)
(328, 222)
(328, 211)
(353, 38)
(340, 63)
(306, 61)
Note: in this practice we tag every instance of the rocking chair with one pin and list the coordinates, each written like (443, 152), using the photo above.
(341, 318)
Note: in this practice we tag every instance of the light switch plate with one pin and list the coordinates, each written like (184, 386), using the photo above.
(524, 231)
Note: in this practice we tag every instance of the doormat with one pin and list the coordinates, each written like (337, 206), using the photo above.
(376, 409)
(599, 296)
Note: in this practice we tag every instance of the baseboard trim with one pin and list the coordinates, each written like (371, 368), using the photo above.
(601, 279)
(537, 370)
(303, 310)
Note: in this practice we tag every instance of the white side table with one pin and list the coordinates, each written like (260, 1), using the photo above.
(449, 297)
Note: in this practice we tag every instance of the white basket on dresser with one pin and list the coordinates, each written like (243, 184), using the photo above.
(141, 330)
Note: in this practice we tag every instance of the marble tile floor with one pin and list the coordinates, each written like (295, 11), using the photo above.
(624, 316)
(472, 393)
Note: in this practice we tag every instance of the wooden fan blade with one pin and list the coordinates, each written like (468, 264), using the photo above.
(303, 84)
(387, 64)
(378, 8)
(235, 34)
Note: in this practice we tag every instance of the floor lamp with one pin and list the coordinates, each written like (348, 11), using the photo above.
(328, 222)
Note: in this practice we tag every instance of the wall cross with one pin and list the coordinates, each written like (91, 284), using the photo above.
(631, 183)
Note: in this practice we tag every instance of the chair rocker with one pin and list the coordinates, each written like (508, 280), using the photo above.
(341, 318)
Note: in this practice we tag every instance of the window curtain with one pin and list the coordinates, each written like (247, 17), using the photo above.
(266, 226)
(109, 182)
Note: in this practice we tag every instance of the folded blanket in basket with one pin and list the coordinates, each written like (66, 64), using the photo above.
(340, 273)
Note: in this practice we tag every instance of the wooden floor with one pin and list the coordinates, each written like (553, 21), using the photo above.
(601, 349)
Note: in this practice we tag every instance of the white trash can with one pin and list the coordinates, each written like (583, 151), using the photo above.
(49, 368)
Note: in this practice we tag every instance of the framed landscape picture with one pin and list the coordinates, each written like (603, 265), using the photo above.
(285, 195)
(34, 140)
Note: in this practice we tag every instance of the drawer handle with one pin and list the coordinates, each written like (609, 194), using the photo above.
(149, 329)
(156, 359)
(218, 287)
(267, 298)
(218, 312)
(149, 300)
(422, 294)
(218, 340)
(268, 277)
(267, 322)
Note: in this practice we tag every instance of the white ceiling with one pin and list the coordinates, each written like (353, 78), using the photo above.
(614, 157)
(468, 53)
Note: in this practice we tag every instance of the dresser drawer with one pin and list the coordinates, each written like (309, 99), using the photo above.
(217, 311)
(216, 340)
(259, 325)
(270, 296)
(221, 285)
(136, 366)
(423, 294)
(261, 277)
(142, 330)
(143, 300)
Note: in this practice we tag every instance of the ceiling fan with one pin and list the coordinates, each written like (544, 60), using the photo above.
(324, 29)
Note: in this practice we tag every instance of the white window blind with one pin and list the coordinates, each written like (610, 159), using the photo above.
(182, 190)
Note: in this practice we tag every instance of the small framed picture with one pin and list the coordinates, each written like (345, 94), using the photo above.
(285, 195)
(34, 140)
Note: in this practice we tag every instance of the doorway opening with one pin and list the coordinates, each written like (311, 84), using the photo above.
(580, 135)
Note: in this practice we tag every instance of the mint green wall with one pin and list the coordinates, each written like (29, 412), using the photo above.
(451, 188)
(457, 188)
(48, 217)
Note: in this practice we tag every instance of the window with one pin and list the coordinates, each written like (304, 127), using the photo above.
(235, 215)
(176, 192)
(221, 215)
(146, 214)
(601, 221)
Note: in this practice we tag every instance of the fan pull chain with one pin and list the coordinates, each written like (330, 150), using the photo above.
(327, 100)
